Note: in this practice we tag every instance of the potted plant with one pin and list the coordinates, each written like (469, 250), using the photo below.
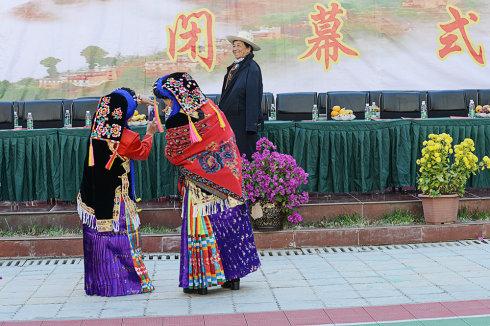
(272, 183)
(443, 173)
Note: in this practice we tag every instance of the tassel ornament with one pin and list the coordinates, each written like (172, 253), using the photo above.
(220, 117)
(157, 116)
(194, 134)
(91, 161)
(108, 166)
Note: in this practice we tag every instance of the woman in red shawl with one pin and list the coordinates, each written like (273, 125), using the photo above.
(217, 243)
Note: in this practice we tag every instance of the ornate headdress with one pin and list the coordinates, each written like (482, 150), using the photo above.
(111, 117)
(185, 94)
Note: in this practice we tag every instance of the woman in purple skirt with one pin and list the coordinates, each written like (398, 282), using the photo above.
(217, 242)
(106, 202)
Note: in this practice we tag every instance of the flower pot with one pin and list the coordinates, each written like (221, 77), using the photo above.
(271, 220)
(441, 209)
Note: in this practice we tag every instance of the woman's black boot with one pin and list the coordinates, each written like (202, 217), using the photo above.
(232, 284)
(202, 291)
(188, 290)
(235, 284)
(226, 285)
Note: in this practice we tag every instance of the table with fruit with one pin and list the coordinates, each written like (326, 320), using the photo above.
(482, 111)
(137, 119)
(342, 114)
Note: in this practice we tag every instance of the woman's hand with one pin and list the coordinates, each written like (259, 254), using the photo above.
(142, 100)
(151, 127)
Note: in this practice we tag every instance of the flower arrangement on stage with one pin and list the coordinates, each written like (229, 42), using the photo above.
(444, 170)
(273, 180)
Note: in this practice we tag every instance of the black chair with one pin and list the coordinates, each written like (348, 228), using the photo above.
(355, 101)
(46, 113)
(79, 108)
(16, 107)
(267, 101)
(447, 103)
(322, 103)
(214, 97)
(375, 96)
(484, 96)
(398, 104)
(67, 104)
(471, 94)
(295, 106)
(6, 115)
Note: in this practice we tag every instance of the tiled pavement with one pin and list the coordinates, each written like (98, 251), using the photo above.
(304, 279)
(398, 315)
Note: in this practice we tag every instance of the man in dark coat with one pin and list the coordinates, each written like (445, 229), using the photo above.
(241, 95)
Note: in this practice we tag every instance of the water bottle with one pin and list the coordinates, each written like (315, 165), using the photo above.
(471, 109)
(16, 120)
(314, 112)
(30, 121)
(273, 112)
(367, 113)
(423, 110)
(67, 123)
(374, 112)
(88, 119)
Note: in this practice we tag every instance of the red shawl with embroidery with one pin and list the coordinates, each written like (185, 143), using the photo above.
(215, 160)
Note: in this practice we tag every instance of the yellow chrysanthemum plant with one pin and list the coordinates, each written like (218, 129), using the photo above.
(444, 169)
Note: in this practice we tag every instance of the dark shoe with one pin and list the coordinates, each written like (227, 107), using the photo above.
(232, 284)
(235, 284)
(226, 285)
(188, 291)
(202, 291)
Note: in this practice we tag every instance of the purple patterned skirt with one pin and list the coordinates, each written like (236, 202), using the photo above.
(113, 260)
(109, 267)
(235, 239)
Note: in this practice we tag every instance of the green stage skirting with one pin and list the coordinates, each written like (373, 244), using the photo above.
(29, 165)
(350, 156)
(353, 155)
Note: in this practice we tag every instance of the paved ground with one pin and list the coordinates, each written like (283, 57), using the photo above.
(304, 279)
(462, 313)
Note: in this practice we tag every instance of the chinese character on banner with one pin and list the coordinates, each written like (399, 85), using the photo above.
(327, 41)
(455, 36)
(193, 35)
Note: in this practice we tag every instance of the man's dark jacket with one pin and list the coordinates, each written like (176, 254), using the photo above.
(241, 101)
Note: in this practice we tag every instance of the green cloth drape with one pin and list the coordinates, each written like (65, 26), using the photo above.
(281, 133)
(339, 156)
(73, 148)
(29, 165)
(353, 155)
